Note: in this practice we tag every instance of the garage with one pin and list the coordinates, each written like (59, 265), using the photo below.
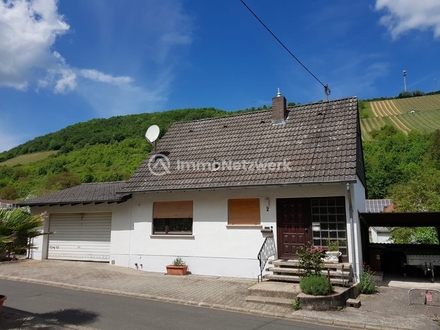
(80, 236)
(408, 260)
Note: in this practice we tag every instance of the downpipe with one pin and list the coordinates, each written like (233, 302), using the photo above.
(352, 236)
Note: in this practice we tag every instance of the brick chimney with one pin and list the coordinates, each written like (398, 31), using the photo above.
(279, 109)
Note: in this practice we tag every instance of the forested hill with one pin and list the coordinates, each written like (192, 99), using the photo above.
(105, 131)
(398, 163)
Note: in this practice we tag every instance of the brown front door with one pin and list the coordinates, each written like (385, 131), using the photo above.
(293, 226)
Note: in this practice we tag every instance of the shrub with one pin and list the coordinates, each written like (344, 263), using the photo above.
(310, 259)
(296, 304)
(367, 283)
(316, 285)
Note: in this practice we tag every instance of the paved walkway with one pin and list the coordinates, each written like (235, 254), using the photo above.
(386, 310)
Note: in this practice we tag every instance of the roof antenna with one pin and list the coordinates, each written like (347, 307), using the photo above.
(279, 93)
(327, 92)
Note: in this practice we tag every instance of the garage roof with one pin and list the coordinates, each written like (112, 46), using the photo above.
(396, 219)
(86, 193)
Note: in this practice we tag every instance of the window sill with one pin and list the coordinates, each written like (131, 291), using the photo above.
(244, 226)
(173, 236)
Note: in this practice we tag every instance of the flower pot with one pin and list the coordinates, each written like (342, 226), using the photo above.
(2, 300)
(176, 270)
(332, 257)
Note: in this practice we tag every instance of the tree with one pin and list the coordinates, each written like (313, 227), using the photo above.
(9, 192)
(17, 228)
(420, 194)
(62, 181)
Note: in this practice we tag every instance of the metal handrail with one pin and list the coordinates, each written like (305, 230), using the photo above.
(267, 250)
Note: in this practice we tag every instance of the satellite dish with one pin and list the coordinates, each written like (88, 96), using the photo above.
(152, 133)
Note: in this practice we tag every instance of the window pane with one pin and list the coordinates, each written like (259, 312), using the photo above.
(331, 215)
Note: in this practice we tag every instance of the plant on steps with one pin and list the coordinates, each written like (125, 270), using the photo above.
(310, 259)
(316, 285)
(296, 304)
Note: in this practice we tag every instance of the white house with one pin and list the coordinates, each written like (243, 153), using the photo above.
(216, 188)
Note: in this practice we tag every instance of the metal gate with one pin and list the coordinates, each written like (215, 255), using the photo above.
(80, 236)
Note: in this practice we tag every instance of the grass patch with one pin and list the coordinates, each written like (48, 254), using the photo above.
(29, 158)
(365, 110)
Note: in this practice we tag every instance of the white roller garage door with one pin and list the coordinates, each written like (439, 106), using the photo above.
(80, 236)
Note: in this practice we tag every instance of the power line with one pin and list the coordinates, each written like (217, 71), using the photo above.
(326, 88)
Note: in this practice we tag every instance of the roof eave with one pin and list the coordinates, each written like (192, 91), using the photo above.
(246, 186)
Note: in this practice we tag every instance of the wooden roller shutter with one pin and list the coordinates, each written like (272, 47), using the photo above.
(173, 210)
(244, 211)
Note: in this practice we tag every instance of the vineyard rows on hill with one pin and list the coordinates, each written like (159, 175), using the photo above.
(430, 102)
(406, 114)
(423, 121)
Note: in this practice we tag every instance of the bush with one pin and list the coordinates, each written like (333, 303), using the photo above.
(316, 285)
(310, 259)
(367, 284)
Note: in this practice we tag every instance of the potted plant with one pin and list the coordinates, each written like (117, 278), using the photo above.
(178, 267)
(332, 253)
(2, 300)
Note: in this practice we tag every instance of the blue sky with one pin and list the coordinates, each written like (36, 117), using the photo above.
(70, 61)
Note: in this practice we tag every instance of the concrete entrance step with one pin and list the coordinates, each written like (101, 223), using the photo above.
(275, 290)
(297, 279)
(299, 271)
(270, 300)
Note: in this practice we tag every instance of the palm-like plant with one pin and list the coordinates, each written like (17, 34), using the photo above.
(17, 228)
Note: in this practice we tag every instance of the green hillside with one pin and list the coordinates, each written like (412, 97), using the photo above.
(399, 144)
(28, 158)
(421, 113)
(94, 151)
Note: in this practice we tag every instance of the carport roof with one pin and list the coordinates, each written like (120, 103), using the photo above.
(396, 219)
(86, 193)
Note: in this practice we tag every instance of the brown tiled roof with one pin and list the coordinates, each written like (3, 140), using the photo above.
(318, 142)
(86, 193)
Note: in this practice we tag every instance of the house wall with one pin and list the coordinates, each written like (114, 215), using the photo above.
(214, 248)
(380, 237)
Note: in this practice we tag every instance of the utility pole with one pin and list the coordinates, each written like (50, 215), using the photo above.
(404, 80)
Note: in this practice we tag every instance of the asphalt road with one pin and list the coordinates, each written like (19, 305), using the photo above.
(103, 311)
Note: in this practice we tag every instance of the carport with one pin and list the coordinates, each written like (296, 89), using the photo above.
(390, 257)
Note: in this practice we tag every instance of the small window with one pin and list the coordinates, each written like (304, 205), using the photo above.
(244, 211)
(173, 218)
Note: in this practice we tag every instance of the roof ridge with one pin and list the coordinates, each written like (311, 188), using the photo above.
(254, 112)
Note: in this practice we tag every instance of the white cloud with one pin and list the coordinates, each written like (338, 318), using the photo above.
(67, 82)
(105, 78)
(27, 31)
(406, 15)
